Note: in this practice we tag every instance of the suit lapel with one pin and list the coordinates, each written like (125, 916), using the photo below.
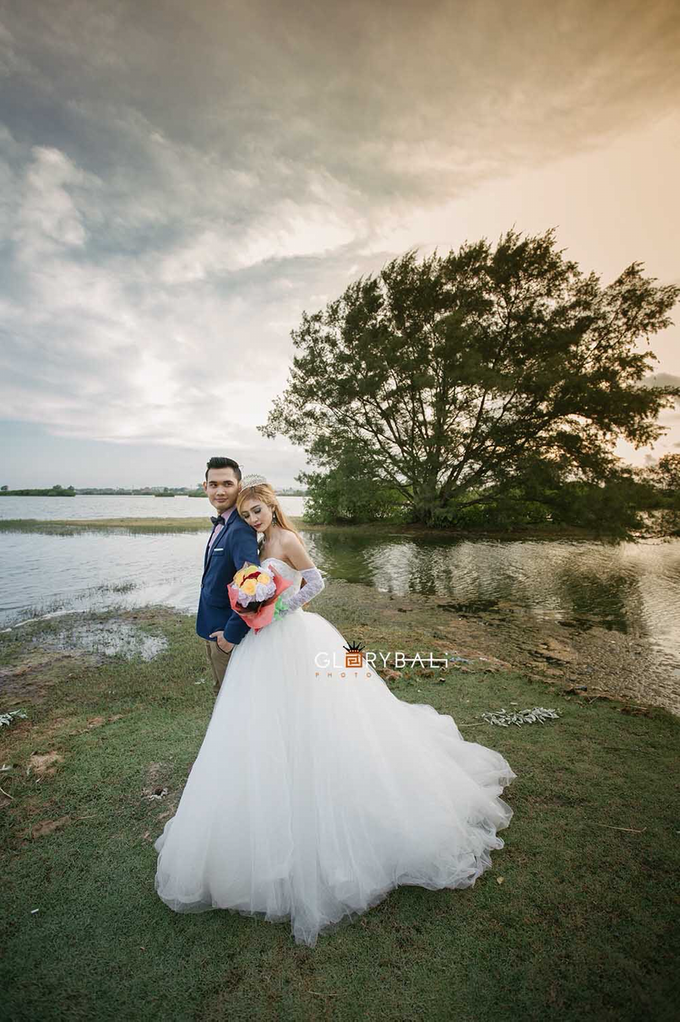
(209, 552)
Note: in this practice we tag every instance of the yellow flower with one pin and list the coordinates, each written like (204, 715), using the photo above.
(239, 576)
(249, 586)
(264, 578)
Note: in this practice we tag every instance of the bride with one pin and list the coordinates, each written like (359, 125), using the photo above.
(316, 791)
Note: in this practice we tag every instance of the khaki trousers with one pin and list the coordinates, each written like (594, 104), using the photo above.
(218, 660)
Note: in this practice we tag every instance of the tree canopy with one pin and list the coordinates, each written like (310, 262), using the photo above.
(452, 378)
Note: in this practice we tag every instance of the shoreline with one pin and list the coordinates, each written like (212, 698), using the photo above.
(580, 654)
(572, 658)
(414, 531)
(585, 665)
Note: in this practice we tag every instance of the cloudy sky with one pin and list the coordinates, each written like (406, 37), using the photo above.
(178, 181)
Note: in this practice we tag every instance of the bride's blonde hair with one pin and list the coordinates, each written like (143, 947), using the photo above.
(265, 493)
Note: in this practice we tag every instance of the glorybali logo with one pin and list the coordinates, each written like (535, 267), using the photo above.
(356, 656)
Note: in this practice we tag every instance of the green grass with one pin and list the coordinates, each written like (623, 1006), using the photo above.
(66, 527)
(582, 924)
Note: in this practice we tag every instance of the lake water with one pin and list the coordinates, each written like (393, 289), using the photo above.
(629, 587)
(79, 507)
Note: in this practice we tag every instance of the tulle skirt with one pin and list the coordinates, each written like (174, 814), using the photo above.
(315, 794)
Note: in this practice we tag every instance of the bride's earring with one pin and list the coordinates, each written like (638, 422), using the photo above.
(274, 518)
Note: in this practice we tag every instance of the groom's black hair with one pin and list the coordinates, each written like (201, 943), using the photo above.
(223, 463)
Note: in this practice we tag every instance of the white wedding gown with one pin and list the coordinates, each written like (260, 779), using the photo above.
(312, 797)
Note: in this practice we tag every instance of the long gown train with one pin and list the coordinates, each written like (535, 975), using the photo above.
(313, 796)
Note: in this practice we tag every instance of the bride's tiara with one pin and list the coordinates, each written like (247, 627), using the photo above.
(252, 480)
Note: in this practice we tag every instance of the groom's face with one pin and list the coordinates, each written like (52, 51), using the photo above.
(222, 488)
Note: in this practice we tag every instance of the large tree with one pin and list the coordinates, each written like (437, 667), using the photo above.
(444, 376)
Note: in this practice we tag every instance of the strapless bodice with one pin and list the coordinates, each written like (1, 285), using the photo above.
(288, 572)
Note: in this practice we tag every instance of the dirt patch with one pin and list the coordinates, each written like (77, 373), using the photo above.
(156, 773)
(46, 827)
(52, 653)
(588, 656)
(155, 787)
(98, 721)
(116, 638)
(44, 765)
(36, 672)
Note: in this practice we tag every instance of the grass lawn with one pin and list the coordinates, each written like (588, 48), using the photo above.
(578, 916)
(67, 527)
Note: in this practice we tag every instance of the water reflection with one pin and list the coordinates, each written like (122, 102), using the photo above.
(630, 587)
(600, 593)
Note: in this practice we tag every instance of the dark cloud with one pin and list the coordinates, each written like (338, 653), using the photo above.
(178, 181)
(370, 92)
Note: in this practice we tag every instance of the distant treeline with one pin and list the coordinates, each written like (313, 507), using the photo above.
(53, 491)
(140, 491)
(146, 491)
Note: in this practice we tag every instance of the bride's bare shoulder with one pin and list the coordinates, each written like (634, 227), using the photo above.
(295, 550)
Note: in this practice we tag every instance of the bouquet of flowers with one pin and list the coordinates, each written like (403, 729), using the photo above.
(254, 594)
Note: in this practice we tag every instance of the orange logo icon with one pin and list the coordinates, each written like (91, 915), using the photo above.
(353, 657)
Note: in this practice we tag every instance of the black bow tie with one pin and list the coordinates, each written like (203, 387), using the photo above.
(216, 520)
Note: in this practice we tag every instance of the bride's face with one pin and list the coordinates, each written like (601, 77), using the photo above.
(257, 514)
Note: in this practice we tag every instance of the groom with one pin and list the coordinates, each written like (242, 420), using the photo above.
(231, 543)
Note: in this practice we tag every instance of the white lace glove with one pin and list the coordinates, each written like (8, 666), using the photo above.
(315, 584)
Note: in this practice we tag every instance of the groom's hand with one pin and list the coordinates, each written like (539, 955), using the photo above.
(222, 642)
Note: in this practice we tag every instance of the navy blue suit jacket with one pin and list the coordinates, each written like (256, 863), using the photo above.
(235, 543)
